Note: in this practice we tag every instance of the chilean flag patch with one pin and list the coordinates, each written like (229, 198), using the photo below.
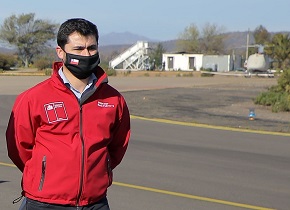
(74, 61)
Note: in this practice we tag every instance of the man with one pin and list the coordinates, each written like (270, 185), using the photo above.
(69, 132)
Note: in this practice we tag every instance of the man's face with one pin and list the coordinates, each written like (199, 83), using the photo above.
(79, 45)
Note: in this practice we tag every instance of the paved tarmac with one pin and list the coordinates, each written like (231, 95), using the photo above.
(184, 99)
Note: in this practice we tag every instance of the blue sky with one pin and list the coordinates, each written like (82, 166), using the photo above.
(159, 19)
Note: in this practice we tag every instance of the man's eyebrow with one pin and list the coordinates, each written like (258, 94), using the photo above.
(93, 46)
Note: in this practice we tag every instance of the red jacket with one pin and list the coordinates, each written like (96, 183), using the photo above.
(66, 149)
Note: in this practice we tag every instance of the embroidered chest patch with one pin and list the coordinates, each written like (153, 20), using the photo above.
(55, 112)
(105, 105)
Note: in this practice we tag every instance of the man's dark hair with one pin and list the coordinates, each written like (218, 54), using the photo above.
(82, 26)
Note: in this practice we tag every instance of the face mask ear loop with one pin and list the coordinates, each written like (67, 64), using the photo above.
(63, 61)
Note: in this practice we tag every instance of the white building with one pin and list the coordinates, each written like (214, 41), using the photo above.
(219, 63)
(182, 61)
(195, 62)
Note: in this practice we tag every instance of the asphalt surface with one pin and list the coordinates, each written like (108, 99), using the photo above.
(184, 167)
(221, 104)
(228, 169)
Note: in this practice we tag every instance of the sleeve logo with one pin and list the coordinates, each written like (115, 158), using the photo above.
(55, 112)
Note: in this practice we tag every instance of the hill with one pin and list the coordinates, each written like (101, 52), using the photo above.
(233, 40)
(6, 50)
(125, 38)
(114, 43)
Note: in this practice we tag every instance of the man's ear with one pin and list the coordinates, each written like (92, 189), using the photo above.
(60, 53)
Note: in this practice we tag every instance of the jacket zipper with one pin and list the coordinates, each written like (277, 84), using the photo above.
(109, 169)
(82, 157)
(43, 168)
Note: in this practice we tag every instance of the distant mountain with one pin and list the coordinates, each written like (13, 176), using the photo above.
(113, 43)
(237, 39)
(125, 38)
(6, 50)
(106, 50)
(119, 42)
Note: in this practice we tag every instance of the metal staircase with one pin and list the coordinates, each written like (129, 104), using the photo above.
(134, 58)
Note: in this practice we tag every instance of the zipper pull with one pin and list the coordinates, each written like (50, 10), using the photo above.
(17, 199)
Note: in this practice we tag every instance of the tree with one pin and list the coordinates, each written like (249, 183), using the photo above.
(278, 96)
(156, 55)
(188, 40)
(279, 50)
(28, 35)
(261, 35)
(212, 39)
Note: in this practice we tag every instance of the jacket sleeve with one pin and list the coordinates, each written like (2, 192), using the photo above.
(121, 135)
(20, 132)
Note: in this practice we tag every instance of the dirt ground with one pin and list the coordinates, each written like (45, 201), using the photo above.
(220, 100)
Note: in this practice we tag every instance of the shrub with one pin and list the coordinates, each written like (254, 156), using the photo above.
(278, 96)
(267, 98)
(111, 72)
(42, 63)
(127, 73)
(7, 61)
(206, 75)
(188, 74)
(282, 104)
(48, 72)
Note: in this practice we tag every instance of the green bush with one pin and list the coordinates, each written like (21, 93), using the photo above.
(7, 61)
(267, 98)
(111, 72)
(284, 81)
(206, 75)
(48, 72)
(282, 105)
(278, 96)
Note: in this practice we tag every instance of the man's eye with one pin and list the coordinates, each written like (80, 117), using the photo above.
(79, 49)
(92, 48)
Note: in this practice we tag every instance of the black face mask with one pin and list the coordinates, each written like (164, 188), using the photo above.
(81, 66)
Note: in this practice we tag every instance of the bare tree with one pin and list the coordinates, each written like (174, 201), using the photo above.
(261, 35)
(188, 40)
(212, 39)
(209, 41)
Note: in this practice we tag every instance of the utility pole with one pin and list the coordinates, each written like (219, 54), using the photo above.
(248, 37)
(247, 50)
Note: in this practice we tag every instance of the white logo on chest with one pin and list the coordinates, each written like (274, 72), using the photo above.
(55, 112)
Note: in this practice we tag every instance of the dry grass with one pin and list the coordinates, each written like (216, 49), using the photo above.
(158, 74)
(120, 73)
